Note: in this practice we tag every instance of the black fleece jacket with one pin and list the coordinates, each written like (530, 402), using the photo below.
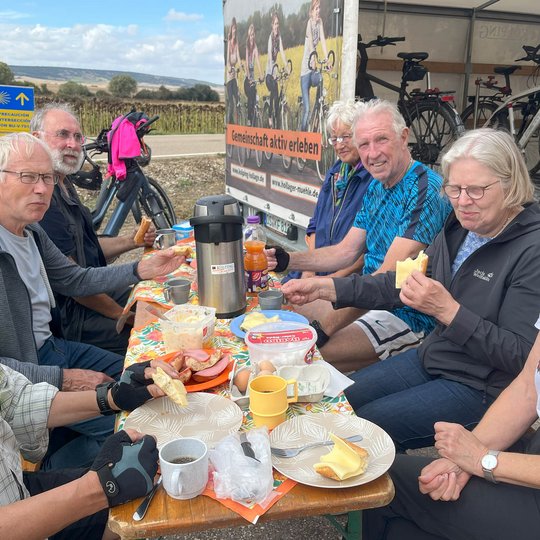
(498, 288)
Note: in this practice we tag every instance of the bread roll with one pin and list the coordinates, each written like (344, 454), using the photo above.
(143, 227)
(405, 268)
(182, 250)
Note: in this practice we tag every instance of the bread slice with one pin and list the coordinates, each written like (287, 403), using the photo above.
(405, 268)
(344, 461)
(174, 388)
(141, 231)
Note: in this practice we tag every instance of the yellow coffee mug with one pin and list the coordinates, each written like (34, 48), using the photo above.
(268, 399)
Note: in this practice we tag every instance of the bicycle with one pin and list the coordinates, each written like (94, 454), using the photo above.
(136, 193)
(430, 114)
(520, 115)
(236, 117)
(283, 120)
(482, 106)
(317, 116)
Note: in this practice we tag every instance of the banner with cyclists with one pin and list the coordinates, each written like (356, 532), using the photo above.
(281, 74)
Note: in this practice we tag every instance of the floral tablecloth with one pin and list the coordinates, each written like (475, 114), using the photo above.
(146, 343)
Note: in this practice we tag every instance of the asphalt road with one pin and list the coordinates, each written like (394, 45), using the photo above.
(167, 146)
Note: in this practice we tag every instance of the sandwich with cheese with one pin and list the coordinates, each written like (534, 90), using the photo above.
(344, 461)
(405, 268)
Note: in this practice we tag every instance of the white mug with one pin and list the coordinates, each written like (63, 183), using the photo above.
(183, 479)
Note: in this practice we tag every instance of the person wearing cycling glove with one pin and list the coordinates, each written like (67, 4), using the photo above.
(402, 212)
(73, 503)
(32, 269)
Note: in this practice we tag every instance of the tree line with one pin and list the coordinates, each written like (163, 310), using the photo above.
(120, 86)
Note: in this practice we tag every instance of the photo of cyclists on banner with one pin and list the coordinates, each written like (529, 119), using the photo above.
(281, 76)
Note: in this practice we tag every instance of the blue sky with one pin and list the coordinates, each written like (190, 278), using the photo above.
(175, 38)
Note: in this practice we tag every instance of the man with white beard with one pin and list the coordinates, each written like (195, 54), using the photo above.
(68, 223)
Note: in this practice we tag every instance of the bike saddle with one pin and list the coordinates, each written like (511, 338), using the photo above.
(91, 180)
(413, 55)
(505, 70)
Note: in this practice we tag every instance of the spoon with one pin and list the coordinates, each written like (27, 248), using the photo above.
(143, 507)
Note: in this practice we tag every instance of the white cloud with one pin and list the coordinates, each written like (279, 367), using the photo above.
(123, 48)
(10, 15)
(174, 15)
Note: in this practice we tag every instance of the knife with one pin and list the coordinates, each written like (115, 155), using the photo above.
(246, 446)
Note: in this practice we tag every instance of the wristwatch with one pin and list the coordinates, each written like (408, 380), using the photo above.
(102, 392)
(322, 336)
(489, 462)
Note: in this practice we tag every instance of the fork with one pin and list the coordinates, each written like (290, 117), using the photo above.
(292, 452)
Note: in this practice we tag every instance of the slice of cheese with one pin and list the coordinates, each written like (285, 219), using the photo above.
(256, 318)
(174, 388)
(344, 461)
(404, 268)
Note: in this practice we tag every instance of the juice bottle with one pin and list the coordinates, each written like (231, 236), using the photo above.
(255, 263)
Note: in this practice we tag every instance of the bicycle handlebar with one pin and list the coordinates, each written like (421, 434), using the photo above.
(381, 41)
(101, 143)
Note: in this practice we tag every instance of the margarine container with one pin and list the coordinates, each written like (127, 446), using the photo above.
(282, 343)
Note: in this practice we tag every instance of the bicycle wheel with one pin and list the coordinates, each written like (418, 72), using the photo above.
(433, 128)
(159, 208)
(266, 114)
(484, 112)
(257, 122)
(327, 151)
(286, 124)
(300, 162)
(531, 148)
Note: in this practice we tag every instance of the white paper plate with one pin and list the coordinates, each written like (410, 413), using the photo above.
(311, 428)
(208, 417)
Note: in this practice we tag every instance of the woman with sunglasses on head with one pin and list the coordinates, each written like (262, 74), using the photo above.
(482, 287)
(342, 192)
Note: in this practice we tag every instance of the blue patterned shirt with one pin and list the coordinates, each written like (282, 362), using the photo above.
(412, 209)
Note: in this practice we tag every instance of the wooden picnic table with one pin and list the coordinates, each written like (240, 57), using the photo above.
(167, 516)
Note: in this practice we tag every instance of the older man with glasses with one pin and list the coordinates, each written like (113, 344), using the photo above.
(89, 319)
(32, 268)
(401, 213)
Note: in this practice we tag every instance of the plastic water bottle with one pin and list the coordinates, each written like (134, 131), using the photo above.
(255, 263)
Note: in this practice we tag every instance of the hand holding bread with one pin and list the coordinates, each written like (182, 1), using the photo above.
(406, 267)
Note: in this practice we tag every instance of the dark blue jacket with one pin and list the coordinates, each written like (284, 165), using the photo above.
(331, 224)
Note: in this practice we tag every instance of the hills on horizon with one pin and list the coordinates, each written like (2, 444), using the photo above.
(100, 76)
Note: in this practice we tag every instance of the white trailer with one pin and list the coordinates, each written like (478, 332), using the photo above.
(464, 39)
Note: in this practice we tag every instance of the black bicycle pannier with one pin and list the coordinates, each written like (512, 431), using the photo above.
(413, 72)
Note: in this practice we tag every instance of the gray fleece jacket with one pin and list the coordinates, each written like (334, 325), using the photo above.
(17, 345)
(498, 289)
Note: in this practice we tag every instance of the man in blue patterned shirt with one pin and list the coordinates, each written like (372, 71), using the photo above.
(402, 213)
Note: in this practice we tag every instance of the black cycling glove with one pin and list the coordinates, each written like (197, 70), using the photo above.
(126, 469)
(131, 390)
(282, 258)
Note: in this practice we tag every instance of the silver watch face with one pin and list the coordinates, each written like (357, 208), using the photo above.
(489, 462)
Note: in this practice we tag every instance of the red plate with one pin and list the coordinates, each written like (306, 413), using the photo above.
(194, 386)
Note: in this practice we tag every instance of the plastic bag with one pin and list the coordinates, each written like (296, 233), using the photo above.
(239, 477)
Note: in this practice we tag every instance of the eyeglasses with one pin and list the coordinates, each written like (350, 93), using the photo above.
(65, 135)
(33, 178)
(474, 192)
(342, 138)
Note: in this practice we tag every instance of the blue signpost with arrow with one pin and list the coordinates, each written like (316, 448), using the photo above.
(16, 108)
